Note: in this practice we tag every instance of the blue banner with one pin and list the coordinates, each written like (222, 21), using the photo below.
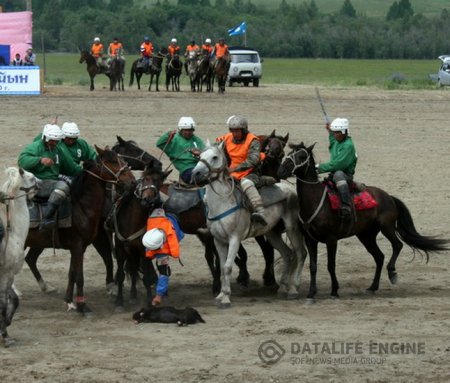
(4, 55)
(239, 30)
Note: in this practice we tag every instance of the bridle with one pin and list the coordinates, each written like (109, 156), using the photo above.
(138, 158)
(216, 172)
(115, 175)
(291, 157)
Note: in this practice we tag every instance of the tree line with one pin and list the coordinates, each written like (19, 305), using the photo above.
(279, 31)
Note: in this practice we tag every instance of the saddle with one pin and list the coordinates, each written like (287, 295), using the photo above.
(37, 210)
(182, 198)
(362, 199)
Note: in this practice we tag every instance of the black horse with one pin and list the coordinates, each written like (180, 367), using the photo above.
(174, 68)
(116, 71)
(221, 73)
(322, 224)
(154, 70)
(91, 66)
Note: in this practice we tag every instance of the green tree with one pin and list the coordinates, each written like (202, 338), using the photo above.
(347, 9)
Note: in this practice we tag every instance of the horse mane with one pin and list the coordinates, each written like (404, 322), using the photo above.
(13, 182)
(77, 185)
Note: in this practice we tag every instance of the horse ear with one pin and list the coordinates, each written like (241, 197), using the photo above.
(120, 140)
(99, 150)
(286, 138)
(207, 142)
(21, 172)
(272, 135)
(107, 147)
(166, 173)
(221, 145)
(310, 149)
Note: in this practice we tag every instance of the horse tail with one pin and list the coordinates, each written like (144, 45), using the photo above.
(408, 233)
(132, 75)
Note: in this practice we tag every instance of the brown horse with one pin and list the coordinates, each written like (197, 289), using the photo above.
(116, 71)
(221, 73)
(88, 191)
(91, 66)
(174, 69)
(322, 224)
(154, 70)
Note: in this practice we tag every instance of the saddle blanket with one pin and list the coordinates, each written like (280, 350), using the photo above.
(182, 199)
(362, 200)
(37, 210)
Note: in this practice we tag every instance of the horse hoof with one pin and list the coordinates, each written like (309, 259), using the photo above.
(334, 298)
(292, 296)
(8, 342)
(46, 288)
(111, 289)
(370, 291)
(281, 295)
(88, 314)
(310, 301)
(393, 278)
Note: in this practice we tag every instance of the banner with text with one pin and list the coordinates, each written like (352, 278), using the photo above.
(20, 80)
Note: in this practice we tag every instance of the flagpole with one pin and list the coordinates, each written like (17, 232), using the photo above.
(245, 39)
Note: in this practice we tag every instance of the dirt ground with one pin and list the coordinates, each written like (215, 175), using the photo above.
(402, 141)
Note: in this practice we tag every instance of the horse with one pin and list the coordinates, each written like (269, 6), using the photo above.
(91, 66)
(205, 71)
(136, 157)
(320, 223)
(116, 72)
(88, 193)
(174, 69)
(192, 71)
(221, 73)
(229, 222)
(130, 215)
(154, 70)
(19, 189)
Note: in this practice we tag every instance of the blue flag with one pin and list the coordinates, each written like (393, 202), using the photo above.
(239, 30)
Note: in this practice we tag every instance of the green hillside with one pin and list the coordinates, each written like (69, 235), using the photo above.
(376, 8)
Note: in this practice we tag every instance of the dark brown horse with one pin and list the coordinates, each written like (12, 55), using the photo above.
(205, 71)
(322, 224)
(221, 73)
(174, 69)
(116, 72)
(91, 66)
(130, 218)
(88, 192)
(154, 70)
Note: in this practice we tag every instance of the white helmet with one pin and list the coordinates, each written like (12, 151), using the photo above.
(339, 125)
(186, 123)
(154, 239)
(96, 39)
(70, 130)
(52, 132)
(173, 41)
(208, 41)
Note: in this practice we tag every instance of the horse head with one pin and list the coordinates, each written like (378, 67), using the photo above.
(19, 180)
(136, 157)
(299, 162)
(273, 145)
(84, 56)
(111, 168)
(147, 189)
(212, 164)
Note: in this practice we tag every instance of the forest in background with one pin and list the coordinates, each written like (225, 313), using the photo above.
(285, 30)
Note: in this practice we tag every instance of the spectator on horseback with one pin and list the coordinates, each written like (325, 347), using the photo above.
(30, 58)
(173, 49)
(17, 60)
(161, 242)
(97, 51)
(76, 146)
(54, 166)
(342, 163)
(207, 48)
(243, 150)
(146, 52)
(183, 148)
(194, 48)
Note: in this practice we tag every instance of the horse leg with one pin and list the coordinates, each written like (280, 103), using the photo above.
(369, 240)
(149, 277)
(4, 291)
(31, 259)
(138, 80)
(102, 244)
(120, 277)
(76, 276)
(241, 261)
(311, 244)
(397, 245)
(269, 254)
(151, 81)
(157, 83)
(92, 83)
(211, 257)
(331, 252)
(227, 254)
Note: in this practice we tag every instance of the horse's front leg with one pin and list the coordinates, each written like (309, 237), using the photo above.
(76, 276)
(227, 256)
(92, 83)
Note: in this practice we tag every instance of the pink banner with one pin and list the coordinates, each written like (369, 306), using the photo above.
(16, 30)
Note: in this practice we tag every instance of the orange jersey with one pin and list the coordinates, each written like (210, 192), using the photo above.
(171, 246)
(113, 48)
(97, 50)
(191, 48)
(238, 152)
(207, 47)
(221, 50)
(173, 50)
(148, 52)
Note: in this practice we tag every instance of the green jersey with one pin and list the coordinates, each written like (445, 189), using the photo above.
(342, 156)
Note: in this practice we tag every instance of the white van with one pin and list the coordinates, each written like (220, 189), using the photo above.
(245, 66)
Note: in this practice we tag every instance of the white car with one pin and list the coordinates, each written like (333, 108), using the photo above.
(443, 77)
(245, 66)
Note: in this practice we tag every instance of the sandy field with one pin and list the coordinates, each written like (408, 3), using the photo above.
(402, 334)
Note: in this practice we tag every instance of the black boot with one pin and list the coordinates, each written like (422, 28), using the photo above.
(49, 219)
(346, 207)
(2, 232)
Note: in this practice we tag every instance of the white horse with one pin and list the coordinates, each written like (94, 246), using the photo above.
(20, 187)
(230, 223)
